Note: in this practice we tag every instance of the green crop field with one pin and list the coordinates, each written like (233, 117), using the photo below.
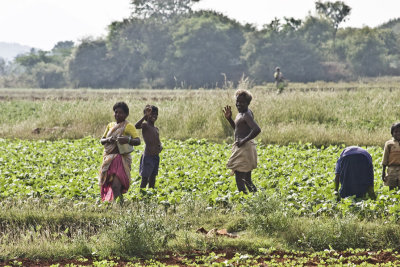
(50, 156)
(299, 174)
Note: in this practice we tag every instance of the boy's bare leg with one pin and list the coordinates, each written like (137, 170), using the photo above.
(240, 181)
(144, 182)
(249, 183)
(116, 187)
(152, 181)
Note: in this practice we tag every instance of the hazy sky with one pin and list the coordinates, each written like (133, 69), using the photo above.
(42, 23)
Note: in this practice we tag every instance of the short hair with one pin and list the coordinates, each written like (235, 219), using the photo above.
(394, 127)
(154, 109)
(123, 106)
(246, 94)
(277, 68)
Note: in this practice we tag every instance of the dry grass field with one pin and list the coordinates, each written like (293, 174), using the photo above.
(321, 113)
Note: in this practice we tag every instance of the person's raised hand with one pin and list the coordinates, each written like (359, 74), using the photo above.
(147, 111)
(227, 112)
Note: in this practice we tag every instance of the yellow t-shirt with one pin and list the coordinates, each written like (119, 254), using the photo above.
(129, 130)
(391, 153)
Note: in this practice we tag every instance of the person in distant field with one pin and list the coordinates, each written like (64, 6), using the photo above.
(244, 155)
(280, 81)
(355, 173)
(150, 160)
(114, 177)
(391, 159)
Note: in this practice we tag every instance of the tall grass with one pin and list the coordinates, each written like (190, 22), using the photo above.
(267, 216)
(324, 114)
(144, 229)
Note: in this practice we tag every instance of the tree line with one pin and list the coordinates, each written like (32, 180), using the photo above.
(165, 44)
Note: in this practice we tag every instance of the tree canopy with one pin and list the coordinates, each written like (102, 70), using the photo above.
(337, 12)
(165, 44)
(161, 9)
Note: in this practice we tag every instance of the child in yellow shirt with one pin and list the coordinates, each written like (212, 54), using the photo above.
(391, 159)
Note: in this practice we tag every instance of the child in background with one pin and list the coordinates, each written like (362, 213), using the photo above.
(150, 159)
(391, 159)
(280, 81)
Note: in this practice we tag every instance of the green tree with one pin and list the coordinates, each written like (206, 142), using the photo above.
(265, 50)
(291, 25)
(29, 60)
(366, 53)
(316, 31)
(161, 9)
(391, 41)
(392, 24)
(337, 12)
(90, 66)
(137, 48)
(273, 26)
(206, 47)
(63, 48)
(3, 65)
(49, 75)
(44, 67)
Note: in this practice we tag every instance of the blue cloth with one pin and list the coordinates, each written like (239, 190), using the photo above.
(355, 170)
(149, 166)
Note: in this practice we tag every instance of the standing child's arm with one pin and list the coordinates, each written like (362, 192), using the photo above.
(138, 124)
(385, 159)
(228, 115)
(147, 114)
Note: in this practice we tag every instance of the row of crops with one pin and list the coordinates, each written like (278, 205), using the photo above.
(300, 175)
(350, 257)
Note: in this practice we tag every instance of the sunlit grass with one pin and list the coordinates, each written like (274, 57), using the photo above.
(321, 113)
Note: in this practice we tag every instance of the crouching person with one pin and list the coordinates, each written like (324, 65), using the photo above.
(355, 173)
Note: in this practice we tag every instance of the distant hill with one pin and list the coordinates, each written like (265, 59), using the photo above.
(9, 50)
(393, 24)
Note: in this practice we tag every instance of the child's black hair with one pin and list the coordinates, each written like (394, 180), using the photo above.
(123, 106)
(244, 93)
(154, 109)
(394, 126)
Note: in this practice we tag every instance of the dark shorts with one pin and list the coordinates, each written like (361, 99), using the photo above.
(149, 166)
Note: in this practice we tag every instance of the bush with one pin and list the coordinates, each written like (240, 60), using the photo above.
(267, 214)
(140, 235)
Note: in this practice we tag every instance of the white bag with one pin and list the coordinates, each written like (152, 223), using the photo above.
(125, 148)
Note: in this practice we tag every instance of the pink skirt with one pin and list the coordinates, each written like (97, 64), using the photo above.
(116, 168)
